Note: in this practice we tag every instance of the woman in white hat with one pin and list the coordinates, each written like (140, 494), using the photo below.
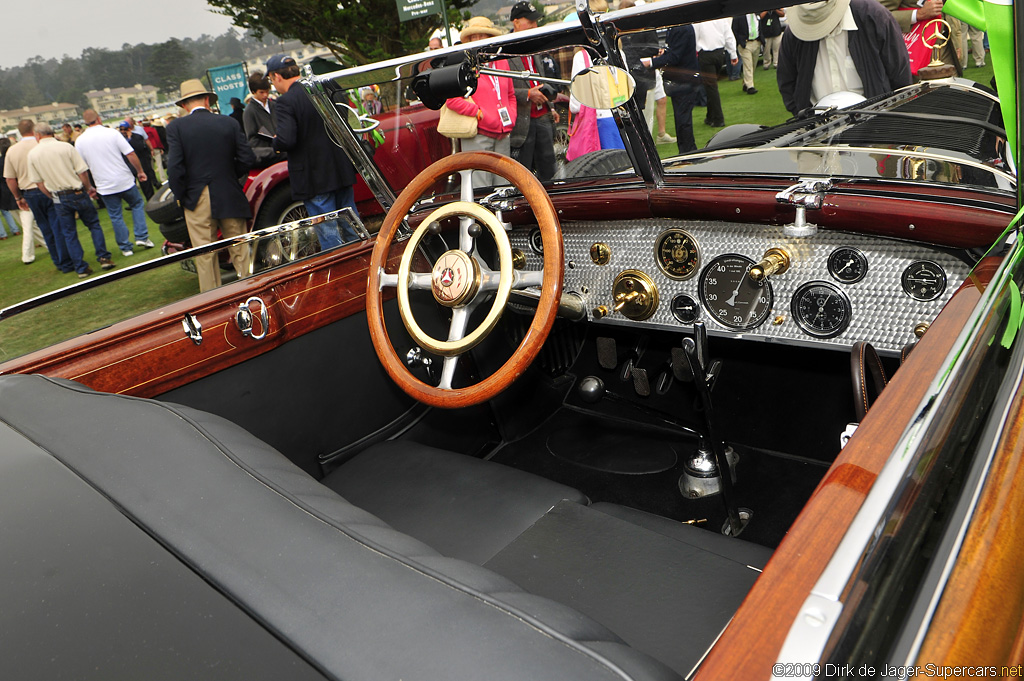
(493, 103)
(840, 45)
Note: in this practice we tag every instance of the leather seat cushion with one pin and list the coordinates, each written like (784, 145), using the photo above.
(461, 506)
(668, 594)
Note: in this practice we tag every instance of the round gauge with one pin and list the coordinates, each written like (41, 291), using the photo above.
(536, 242)
(821, 309)
(847, 265)
(677, 254)
(923, 280)
(731, 297)
(685, 309)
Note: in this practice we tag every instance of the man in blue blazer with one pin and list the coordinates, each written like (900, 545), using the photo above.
(206, 155)
(321, 175)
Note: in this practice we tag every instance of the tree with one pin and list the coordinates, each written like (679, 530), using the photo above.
(170, 64)
(356, 31)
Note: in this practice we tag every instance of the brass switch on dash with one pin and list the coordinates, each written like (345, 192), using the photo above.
(775, 261)
(635, 295)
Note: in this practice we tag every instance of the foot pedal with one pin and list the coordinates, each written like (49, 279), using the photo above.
(607, 353)
(680, 367)
(641, 383)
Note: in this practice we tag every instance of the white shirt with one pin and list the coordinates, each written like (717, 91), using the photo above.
(104, 150)
(714, 35)
(834, 70)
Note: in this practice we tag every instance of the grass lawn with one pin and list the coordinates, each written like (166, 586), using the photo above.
(85, 311)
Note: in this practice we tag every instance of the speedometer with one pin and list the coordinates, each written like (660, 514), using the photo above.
(731, 297)
(677, 254)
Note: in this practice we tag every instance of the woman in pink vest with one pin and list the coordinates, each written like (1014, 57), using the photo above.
(493, 104)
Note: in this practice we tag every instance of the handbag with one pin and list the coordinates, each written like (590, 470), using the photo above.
(583, 135)
(454, 125)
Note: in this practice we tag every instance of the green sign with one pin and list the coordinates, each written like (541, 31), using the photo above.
(414, 9)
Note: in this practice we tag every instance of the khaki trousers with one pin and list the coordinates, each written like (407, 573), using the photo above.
(749, 52)
(29, 233)
(202, 230)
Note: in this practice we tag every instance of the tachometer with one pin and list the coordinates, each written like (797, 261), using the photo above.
(677, 254)
(821, 309)
(731, 297)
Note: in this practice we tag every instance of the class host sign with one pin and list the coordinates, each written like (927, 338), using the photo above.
(414, 9)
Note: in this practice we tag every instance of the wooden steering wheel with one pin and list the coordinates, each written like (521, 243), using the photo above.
(460, 280)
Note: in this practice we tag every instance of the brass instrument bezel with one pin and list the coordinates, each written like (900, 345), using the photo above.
(645, 304)
(657, 254)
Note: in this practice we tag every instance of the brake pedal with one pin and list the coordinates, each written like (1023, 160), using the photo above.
(607, 353)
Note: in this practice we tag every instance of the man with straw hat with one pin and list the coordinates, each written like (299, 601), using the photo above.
(206, 155)
(840, 46)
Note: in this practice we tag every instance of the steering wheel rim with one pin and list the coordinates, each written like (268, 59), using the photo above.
(551, 285)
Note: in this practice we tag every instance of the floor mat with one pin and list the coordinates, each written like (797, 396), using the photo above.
(773, 486)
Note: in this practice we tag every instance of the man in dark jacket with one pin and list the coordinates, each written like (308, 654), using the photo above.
(533, 138)
(321, 175)
(142, 149)
(259, 121)
(861, 29)
(681, 75)
(206, 155)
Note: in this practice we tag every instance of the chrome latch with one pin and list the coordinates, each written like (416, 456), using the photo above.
(809, 192)
(502, 198)
(417, 358)
(193, 329)
(244, 318)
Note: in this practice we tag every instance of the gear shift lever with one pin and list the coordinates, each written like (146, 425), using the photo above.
(692, 352)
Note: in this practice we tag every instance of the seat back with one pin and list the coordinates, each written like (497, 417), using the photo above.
(353, 596)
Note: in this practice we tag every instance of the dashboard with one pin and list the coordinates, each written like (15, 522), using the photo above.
(829, 289)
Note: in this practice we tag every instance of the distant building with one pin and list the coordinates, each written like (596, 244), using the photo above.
(301, 53)
(48, 113)
(119, 99)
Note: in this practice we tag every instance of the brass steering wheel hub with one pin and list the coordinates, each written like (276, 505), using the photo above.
(455, 278)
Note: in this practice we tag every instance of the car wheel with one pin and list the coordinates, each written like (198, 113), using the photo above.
(279, 207)
(176, 232)
(601, 162)
(163, 208)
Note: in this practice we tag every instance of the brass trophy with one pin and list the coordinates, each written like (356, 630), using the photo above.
(938, 39)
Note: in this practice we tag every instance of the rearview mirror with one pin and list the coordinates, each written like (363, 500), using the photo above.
(602, 87)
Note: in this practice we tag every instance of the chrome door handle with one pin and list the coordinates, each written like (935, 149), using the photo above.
(193, 329)
(244, 318)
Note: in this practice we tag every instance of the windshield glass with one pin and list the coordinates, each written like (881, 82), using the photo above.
(693, 106)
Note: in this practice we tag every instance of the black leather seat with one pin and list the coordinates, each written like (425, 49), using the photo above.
(463, 507)
(350, 594)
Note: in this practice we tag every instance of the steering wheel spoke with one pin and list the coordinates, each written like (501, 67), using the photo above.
(460, 281)
(527, 279)
(448, 372)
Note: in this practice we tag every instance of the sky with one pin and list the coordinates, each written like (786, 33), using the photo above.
(71, 26)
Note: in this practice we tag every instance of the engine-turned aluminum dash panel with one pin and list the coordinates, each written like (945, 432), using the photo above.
(881, 312)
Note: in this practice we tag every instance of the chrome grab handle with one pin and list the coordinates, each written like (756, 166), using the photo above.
(193, 329)
(244, 318)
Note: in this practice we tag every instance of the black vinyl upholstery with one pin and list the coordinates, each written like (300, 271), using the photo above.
(668, 591)
(462, 507)
(350, 594)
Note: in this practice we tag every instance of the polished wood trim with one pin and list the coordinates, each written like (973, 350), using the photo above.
(551, 289)
(750, 645)
(150, 354)
(980, 618)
